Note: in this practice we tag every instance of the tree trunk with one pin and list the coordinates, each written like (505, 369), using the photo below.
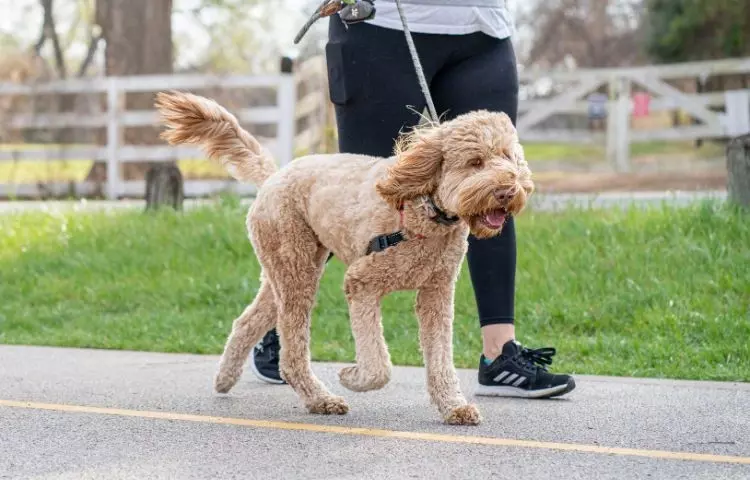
(738, 171)
(164, 187)
(138, 36)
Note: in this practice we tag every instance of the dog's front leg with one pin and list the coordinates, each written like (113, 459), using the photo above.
(435, 311)
(373, 369)
(294, 362)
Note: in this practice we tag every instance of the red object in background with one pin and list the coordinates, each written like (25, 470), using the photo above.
(641, 102)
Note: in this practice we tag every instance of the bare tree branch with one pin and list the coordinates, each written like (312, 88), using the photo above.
(595, 33)
(51, 33)
(42, 40)
(90, 53)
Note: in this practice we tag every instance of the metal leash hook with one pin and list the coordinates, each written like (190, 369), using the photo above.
(350, 12)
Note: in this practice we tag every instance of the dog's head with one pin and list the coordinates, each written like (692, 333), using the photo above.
(473, 166)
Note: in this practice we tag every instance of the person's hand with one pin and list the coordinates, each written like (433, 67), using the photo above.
(357, 11)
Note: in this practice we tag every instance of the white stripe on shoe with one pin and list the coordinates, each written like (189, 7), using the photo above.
(501, 376)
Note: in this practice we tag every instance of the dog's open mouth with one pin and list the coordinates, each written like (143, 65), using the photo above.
(494, 219)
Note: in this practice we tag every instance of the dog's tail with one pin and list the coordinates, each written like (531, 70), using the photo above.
(196, 120)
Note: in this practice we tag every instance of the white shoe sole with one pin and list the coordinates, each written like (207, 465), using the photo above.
(263, 377)
(503, 391)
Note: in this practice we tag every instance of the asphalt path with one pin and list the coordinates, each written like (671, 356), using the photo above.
(79, 414)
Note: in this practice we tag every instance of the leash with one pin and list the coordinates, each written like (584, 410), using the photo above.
(325, 9)
(417, 65)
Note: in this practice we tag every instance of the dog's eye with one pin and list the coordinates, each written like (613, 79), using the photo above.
(476, 162)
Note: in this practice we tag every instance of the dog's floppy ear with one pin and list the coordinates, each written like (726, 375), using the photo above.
(523, 167)
(415, 173)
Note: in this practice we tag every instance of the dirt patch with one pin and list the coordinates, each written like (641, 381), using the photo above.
(565, 182)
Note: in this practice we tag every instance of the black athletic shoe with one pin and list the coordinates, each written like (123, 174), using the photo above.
(521, 372)
(265, 362)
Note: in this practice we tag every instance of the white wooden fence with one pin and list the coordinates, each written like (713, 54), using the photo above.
(285, 114)
(719, 115)
(569, 89)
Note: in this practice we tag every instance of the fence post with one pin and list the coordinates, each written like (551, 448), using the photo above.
(286, 101)
(612, 122)
(114, 138)
(322, 76)
(623, 124)
(738, 171)
(618, 124)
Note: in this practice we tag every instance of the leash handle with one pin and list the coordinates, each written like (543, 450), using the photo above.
(331, 7)
(325, 9)
(351, 11)
(309, 23)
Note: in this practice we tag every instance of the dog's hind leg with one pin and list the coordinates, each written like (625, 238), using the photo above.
(435, 311)
(247, 329)
(373, 369)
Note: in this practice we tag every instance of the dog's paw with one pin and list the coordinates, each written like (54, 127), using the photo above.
(464, 415)
(359, 380)
(223, 382)
(328, 405)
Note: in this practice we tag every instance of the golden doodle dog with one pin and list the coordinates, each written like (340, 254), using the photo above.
(398, 223)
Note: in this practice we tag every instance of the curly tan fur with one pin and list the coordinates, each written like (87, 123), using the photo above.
(472, 166)
(415, 171)
(191, 119)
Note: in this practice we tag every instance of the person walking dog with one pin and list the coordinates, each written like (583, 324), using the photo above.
(468, 60)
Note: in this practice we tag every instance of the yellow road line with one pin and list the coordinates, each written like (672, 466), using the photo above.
(374, 432)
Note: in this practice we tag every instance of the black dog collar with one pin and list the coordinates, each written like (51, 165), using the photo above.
(436, 214)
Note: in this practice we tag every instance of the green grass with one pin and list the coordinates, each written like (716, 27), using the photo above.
(31, 171)
(657, 293)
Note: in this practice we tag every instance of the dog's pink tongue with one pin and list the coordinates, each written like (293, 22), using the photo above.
(495, 219)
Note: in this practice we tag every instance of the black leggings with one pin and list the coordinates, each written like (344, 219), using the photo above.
(372, 85)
